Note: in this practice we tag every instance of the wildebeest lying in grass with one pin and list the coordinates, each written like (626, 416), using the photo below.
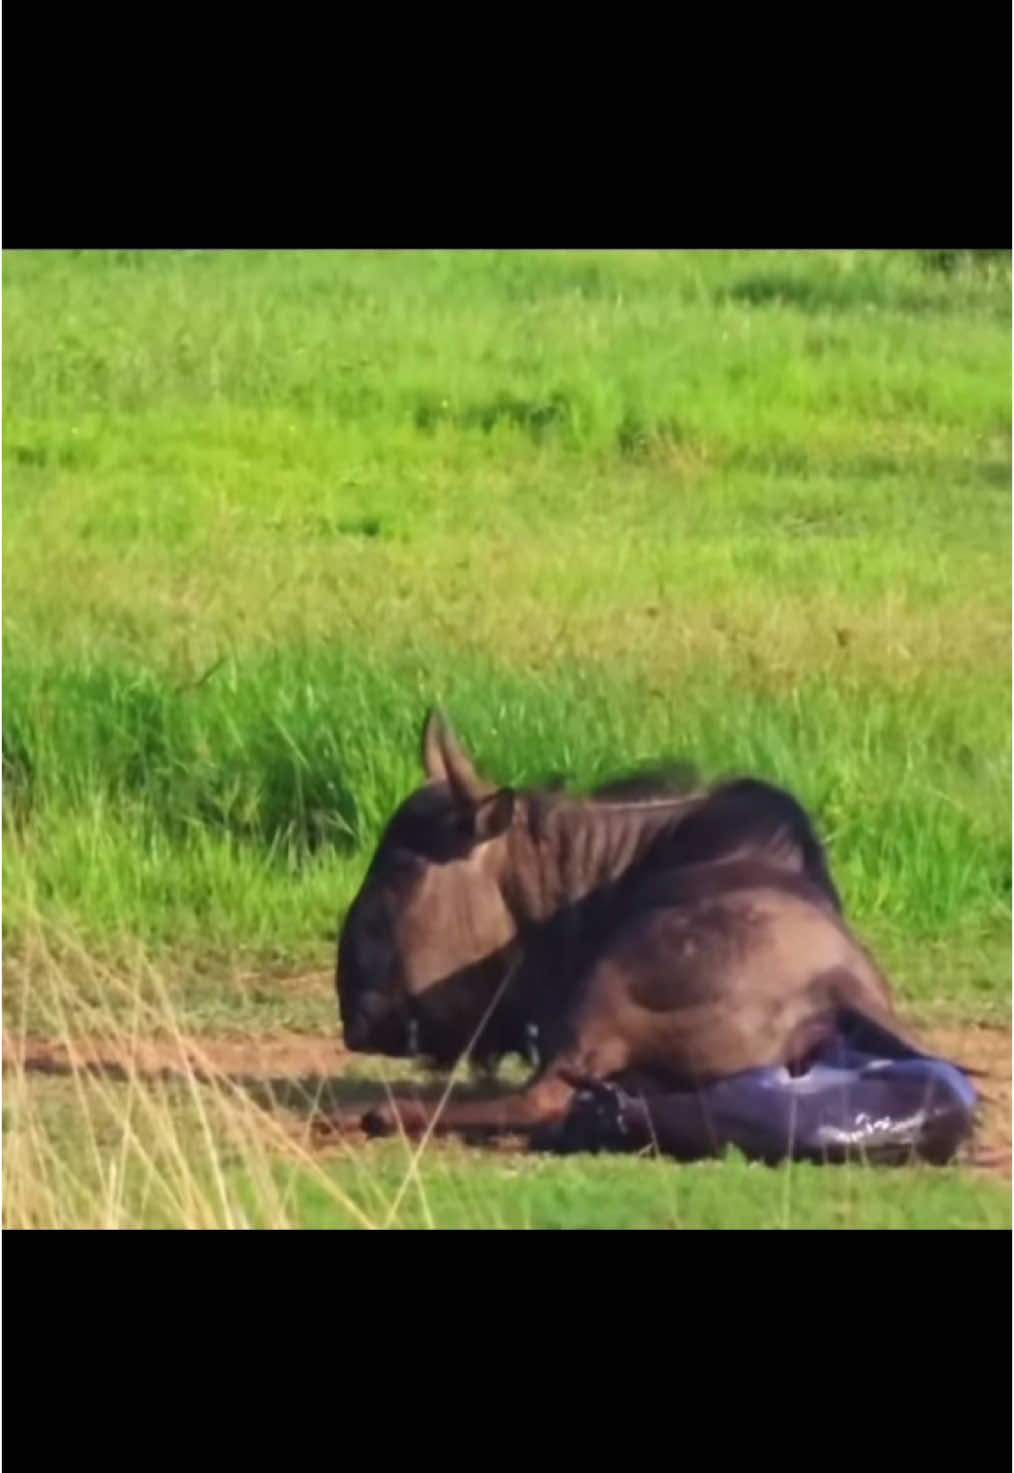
(661, 940)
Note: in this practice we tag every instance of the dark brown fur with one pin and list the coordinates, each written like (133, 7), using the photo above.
(651, 931)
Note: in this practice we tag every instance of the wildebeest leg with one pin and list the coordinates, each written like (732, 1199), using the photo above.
(544, 1101)
(541, 1102)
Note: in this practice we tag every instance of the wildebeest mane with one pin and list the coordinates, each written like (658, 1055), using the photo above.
(732, 815)
(641, 785)
(735, 817)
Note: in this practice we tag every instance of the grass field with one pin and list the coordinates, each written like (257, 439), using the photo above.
(261, 508)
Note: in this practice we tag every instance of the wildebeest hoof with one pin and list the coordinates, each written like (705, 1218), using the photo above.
(602, 1101)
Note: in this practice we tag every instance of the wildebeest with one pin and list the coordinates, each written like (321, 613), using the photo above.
(662, 939)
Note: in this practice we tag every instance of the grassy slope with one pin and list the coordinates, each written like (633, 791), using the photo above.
(261, 508)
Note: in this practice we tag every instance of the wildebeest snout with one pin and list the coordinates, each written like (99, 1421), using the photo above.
(371, 1025)
(356, 1032)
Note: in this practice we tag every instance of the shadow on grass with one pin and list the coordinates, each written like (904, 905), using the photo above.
(306, 1095)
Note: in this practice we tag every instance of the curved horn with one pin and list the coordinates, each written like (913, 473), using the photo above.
(445, 760)
(433, 762)
(462, 776)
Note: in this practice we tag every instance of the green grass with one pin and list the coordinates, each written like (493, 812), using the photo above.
(604, 1193)
(261, 508)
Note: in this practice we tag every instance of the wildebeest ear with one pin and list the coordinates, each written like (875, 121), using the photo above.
(494, 814)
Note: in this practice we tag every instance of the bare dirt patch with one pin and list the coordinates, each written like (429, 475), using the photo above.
(988, 1049)
(285, 1054)
(293, 1073)
(299, 1074)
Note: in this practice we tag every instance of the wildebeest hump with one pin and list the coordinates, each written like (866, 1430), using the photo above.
(749, 818)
